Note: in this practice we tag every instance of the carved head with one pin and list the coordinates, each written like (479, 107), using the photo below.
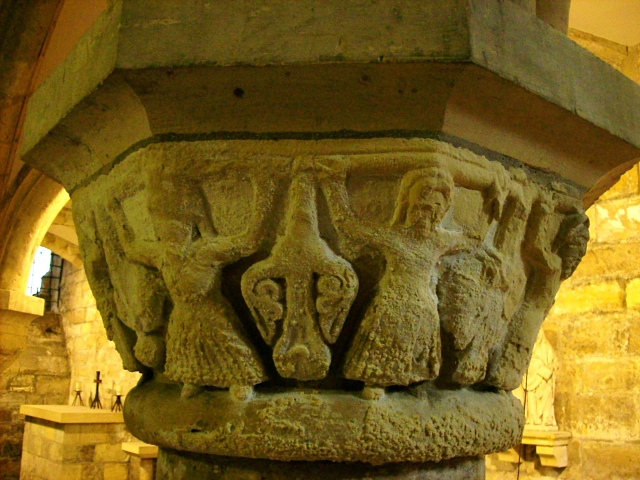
(571, 242)
(424, 198)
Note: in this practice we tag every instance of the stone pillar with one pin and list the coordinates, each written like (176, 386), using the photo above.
(336, 265)
(346, 301)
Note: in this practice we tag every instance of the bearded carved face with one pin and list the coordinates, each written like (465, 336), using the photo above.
(574, 249)
(427, 206)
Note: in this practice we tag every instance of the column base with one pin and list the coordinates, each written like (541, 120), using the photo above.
(175, 465)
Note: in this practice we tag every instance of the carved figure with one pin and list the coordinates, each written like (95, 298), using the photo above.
(459, 260)
(398, 341)
(475, 294)
(538, 387)
(301, 294)
(140, 295)
(471, 308)
(103, 274)
(550, 263)
(206, 343)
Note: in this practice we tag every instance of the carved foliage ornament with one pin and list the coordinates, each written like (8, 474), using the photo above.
(226, 264)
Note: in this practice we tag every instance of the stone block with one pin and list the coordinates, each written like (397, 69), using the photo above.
(52, 450)
(618, 220)
(52, 433)
(605, 461)
(93, 471)
(78, 453)
(10, 343)
(59, 434)
(116, 471)
(105, 453)
(28, 462)
(634, 338)
(90, 437)
(57, 365)
(604, 417)
(22, 383)
(593, 334)
(605, 296)
(602, 376)
(619, 261)
(574, 450)
(48, 468)
(72, 438)
(633, 293)
(70, 471)
(47, 384)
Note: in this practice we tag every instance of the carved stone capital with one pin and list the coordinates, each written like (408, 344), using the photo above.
(346, 300)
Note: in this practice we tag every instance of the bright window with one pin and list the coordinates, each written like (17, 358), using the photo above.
(41, 265)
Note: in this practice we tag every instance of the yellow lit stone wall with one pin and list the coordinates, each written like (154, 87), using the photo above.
(87, 344)
(34, 369)
(595, 328)
(89, 451)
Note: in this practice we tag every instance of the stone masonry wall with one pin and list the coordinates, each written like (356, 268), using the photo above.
(87, 343)
(34, 369)
(595, 328)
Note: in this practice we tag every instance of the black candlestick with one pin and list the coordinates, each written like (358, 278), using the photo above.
(117, 407)
(78, 400)
(96, 400)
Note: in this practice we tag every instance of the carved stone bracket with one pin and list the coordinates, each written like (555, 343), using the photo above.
(305, 276)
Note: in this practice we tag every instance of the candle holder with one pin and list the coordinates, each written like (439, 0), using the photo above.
(96, 403)
(117, 407)
(78, 402)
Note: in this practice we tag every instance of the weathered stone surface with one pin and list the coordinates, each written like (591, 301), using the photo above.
(598, 334)
(422, 424)
(598, 458)
(283, 281)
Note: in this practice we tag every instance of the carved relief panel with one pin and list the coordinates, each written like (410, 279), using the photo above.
(472, 255)
(330, 265)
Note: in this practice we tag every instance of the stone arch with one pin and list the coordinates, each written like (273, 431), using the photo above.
(32, 210)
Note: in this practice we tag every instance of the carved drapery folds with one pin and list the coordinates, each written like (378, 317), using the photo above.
(330, 266)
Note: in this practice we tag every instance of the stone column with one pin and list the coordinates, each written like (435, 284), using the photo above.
(338, 300)
(335, 265)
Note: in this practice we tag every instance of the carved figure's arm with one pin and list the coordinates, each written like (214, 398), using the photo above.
(511, 229)
(493, 181)
(539, 296)
(332, 175)
(223, 249)
(525, 324)
(452, 241)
